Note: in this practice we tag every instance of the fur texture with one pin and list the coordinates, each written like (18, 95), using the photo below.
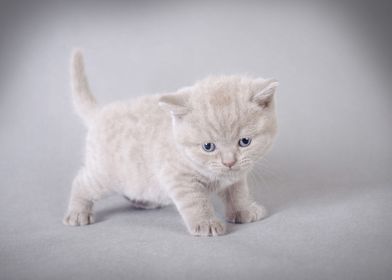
(151, 149)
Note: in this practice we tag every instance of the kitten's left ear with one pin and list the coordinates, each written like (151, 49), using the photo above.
(263, 92)
(176, 104)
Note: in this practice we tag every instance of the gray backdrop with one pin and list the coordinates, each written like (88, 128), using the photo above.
(327, 181)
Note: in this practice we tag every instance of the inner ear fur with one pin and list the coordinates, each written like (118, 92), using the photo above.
(264, 91)
(175, 103)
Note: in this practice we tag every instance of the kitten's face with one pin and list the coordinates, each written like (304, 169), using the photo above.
(224, 125)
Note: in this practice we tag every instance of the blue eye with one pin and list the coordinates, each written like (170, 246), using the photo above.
(244, 142)
(209, 147)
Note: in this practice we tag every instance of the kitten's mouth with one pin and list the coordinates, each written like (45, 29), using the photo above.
(232, 170)
(235, 169)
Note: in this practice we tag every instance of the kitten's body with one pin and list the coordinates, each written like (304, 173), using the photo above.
(149, 150)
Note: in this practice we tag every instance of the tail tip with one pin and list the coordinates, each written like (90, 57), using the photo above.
(77, 55)
(77, 51)
(77, 60)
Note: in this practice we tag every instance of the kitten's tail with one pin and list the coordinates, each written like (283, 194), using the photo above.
(84, 102)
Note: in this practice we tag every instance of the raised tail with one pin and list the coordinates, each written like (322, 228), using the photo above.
(84, 102)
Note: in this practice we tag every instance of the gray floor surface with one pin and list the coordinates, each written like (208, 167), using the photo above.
(327, 182)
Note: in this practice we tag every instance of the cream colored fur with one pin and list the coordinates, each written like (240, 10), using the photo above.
(150, 149)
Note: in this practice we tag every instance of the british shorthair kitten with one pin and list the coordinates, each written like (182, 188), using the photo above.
(175, 148)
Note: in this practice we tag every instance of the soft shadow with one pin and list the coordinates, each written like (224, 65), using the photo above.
(171, 222)
(104, 214)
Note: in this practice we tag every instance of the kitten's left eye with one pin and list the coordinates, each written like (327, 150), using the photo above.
(244, 142)
(209, 147)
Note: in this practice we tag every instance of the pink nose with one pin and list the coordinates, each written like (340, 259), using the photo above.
(229, 164)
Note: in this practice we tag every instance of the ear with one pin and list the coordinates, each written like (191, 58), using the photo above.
(263, 92)
(176, 104)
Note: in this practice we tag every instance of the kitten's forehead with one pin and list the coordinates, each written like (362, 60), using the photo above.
(220, 99)
(222, 108)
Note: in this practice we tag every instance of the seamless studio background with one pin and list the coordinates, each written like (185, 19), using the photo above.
(327, 180)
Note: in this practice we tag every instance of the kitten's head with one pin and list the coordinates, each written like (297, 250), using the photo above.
(223, 125)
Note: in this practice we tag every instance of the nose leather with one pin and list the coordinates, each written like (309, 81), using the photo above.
(229, 164)
(228, 158)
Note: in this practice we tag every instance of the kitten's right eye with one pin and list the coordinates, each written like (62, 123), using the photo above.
(209, 147)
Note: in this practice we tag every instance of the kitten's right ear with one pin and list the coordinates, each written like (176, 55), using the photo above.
(176, 104)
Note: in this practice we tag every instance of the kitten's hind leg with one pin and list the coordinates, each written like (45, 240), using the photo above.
(85, 190)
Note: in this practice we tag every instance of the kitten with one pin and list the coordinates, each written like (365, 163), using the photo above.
(177, 147)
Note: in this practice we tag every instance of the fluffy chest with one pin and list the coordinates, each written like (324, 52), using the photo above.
(222, 183)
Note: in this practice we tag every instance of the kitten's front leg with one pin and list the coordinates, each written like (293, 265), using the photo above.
(240, 207)
(193, 202)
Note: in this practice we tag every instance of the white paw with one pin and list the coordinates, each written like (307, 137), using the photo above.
(74, 218)
(252, 213)
(211, 227)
